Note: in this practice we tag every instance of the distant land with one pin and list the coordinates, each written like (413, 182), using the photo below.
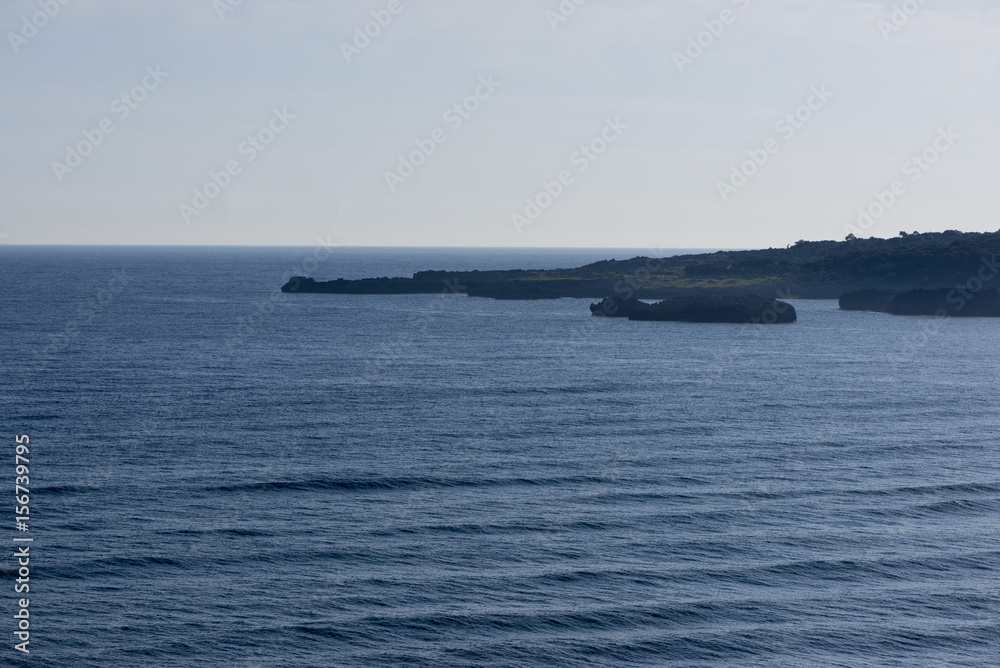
(965, 302)
(806, 270)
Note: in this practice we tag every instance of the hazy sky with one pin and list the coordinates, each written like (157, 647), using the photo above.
(311, 117)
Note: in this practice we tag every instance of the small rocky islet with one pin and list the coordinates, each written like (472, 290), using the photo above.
(735, 309)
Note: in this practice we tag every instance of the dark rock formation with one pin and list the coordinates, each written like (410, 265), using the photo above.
(948, 302)
(708, 308)
(951, 302)
(868, 300)
(617, 307)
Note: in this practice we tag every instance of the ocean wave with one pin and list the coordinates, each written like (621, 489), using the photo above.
(394, 483)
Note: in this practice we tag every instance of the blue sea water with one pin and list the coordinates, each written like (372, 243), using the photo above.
(225, 475)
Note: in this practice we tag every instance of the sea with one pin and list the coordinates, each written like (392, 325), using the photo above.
(224, 475)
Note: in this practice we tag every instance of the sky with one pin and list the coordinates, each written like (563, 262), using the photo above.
(540, 123)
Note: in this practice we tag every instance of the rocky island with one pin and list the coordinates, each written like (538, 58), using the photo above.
(750, 309)
(807, 269)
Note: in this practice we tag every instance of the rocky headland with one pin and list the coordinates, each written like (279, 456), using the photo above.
(806, 269)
